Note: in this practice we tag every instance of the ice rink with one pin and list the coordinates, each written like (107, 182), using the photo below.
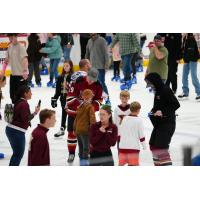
(187, 131)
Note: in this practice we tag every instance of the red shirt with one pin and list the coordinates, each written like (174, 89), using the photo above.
(101, 142)
(39, 147)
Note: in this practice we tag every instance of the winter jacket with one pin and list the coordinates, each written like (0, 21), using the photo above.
(66, 38)
(97, 53)
(62, 88)
(166, 102)
(74, 95)
(173, 43)
(34, 45)
(190, 49)
(38, 154)
(102, 142)
(53, 48)
(85, 117)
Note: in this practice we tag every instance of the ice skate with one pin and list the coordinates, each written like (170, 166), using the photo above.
(60, 133)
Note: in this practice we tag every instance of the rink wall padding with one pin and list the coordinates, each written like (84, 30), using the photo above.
(76, 67)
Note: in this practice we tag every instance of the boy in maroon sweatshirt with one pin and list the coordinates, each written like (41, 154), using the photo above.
(38, 154)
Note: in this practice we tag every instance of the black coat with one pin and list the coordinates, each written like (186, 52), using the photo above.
(62, 91)
(173, 42)
(66, 38)
(190, 49)
(34, 45)
(165, 101)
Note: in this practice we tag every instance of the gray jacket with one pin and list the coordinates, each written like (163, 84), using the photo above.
(97, 52)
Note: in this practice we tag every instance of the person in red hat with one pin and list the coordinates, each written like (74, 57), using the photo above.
(158, 58)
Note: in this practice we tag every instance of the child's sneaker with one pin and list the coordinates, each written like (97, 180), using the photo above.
(183, 96)
(60, 133)
(49, 84)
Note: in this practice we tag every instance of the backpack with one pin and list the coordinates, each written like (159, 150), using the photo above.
(8, 113)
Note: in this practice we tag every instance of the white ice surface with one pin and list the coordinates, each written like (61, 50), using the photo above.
(187, 131)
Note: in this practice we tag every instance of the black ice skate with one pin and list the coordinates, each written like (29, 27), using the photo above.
(71, 158)
(60, 133)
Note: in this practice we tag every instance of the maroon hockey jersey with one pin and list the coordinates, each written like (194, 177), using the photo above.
(74, 95)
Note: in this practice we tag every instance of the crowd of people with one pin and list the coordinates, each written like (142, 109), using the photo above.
(84, 92)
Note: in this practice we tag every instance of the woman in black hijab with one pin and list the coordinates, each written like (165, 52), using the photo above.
(163, 119)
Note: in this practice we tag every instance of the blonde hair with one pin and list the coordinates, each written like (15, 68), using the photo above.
(135, 106)
(125, 94)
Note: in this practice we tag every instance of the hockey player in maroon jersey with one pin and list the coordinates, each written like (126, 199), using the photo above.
(74, 100)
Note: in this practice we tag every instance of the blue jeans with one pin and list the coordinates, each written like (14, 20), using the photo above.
(17, 142)
(101, 78)
(127, 67)
(54, 68)
(66, 53)
(186, 69)
(83, 144)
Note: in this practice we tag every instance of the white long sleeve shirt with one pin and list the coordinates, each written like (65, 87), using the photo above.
(119, 113)
(131, 132)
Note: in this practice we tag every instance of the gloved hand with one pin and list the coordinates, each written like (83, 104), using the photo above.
(53, 102)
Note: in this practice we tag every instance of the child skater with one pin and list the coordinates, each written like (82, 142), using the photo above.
(116, 62)
(62, 87)
(84, 119)
(131, 134)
